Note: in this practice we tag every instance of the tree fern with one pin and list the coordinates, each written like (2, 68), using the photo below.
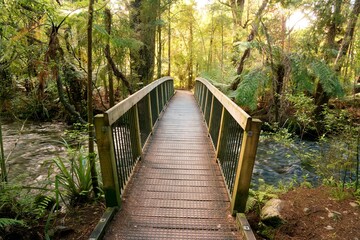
(247, 92)
(4, 222)
(327, 77)
(300, 76)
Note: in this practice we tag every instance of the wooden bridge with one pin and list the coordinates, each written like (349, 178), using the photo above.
(178, 165)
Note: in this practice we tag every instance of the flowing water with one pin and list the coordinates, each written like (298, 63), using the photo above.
(30, 147)
(38, 143)
(276, 162)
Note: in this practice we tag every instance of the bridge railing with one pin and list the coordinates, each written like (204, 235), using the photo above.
(122, 131)
(235, 136)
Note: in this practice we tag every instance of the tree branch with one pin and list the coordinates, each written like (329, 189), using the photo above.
(117, 72)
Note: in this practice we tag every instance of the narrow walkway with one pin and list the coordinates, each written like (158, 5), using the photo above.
(177, 192)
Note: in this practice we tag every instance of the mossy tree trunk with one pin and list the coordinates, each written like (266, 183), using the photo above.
(94, 178)
(143, 16)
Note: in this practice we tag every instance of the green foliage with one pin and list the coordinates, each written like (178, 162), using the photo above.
(339, 158)
(258, 197)
(339, 194)
(327, 77)
(304, 108)
(22, 204)
(73, 181)
(250, 86)
(300, 76)
(5, 222)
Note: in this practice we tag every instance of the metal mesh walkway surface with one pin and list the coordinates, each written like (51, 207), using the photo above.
(177, 191)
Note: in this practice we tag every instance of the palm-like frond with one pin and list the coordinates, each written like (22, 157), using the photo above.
(247, 92)
(327, 77)
(4, 222)
(301, 79)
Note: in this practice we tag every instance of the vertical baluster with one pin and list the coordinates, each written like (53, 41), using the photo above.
(157, 101)
(126, 157)
(205, 102)
(119, 152)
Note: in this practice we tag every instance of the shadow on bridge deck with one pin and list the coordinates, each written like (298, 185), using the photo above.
(177, 190)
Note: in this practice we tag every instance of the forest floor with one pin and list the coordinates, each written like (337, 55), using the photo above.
(309, 213)
(79, 222)
(314, 213)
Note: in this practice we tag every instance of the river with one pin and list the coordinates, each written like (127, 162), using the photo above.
(38, 143)
(30, 147)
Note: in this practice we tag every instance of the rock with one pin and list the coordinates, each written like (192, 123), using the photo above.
(271, 213)
(354, 204)
(61, 231)
(328, 227)
(306, 210)
(333, 214)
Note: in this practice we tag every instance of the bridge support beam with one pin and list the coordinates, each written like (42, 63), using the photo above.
(245, 167)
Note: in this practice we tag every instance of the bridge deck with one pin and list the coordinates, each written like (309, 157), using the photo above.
(177, 191)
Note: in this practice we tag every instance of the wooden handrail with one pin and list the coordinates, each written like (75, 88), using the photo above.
(121, 138)
(238, 113)
(235, 136)
(122, 107)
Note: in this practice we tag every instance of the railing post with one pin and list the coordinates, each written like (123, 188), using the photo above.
(211, 111)
(150, 111)
(162, 96)
(157, 101)
(105, 146)
(166, 92)
(245, 167)
(221, 130)
(135, 132)
(205, 103)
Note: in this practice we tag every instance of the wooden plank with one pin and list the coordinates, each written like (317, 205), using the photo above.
(238, 113)
(122, 107)
(245, 167)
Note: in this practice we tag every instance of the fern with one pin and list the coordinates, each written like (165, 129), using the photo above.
(248, 90)
(299, 73)
(327, 77)
(4, 222)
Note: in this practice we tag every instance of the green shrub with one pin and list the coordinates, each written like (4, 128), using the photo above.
(73, 183)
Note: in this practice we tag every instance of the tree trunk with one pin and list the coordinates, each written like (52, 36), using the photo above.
(190, 64)
(169, 41)
(143, 17)
(117, 72)
(53, 56)
(108, 21)
(159, 43)
(250, 38)
(94, 178)
(2, 157)
(349, 35)
(237, 10)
